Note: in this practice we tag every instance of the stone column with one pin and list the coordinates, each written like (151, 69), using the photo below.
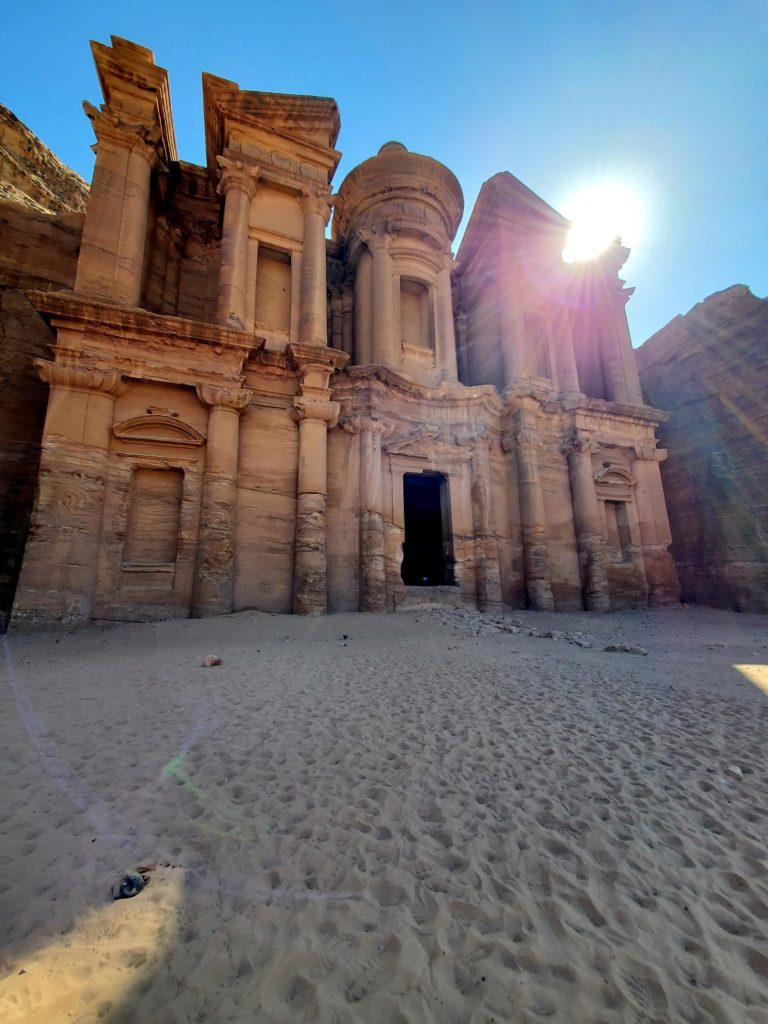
(215, 568)
(238, 186)
(373, 588)
(488, 574)
(386, 345)
(313, 315)
(347, 316)
(590, 542)
(364, 309)
(532, 518)
(655, 536)
(445, 334)
(462, 350)
(316, 415)
(567, 371)
(111, 261)
(59, 572)
(510, 326)
(621, 376)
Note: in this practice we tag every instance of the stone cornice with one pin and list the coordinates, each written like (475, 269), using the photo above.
(127, 69)
(600, 408)
(143, 345)
(73, 310)
(363, 377)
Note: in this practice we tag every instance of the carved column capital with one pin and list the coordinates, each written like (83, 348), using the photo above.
(236, 399)
(373, 424)
(314, 409)
(377, 239)
(77, 377)
(234, 174)
(580, 442)
(320, 202)
(315, 363)
(114, 128)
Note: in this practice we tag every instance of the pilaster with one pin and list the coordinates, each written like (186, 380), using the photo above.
(111, 260)
(58, 576)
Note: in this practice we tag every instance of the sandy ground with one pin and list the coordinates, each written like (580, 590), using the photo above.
(432, 820)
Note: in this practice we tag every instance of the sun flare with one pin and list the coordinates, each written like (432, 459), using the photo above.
(599, 213)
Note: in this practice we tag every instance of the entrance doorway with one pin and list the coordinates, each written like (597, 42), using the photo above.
(428, 547)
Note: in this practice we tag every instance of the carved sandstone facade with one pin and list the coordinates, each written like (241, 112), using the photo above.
(244, 414)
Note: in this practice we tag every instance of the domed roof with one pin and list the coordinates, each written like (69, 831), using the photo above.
(409, 191)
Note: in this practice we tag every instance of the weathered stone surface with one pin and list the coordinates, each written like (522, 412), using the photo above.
(34, 177)
(709, 369)
(245, 415)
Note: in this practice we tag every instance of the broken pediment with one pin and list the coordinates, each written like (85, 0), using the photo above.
(305, 127)
(157, 429)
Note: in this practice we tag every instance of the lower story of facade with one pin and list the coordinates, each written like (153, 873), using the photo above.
(295, 485)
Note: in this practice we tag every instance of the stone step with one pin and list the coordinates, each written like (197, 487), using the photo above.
(428, 597)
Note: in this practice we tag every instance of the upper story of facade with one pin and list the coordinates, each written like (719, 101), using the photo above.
(241, 243)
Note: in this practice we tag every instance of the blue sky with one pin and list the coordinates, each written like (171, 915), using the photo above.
(669, 97)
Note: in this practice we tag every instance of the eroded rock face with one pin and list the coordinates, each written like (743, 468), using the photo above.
(41, 222)
(709, 368)
(33, 176)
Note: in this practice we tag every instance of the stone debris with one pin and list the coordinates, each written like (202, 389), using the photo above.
(483, 624)
(131, 884)
(625, 649)
(211, 661)
(735, 771)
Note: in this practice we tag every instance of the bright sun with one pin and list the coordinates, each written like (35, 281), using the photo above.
(599, 213)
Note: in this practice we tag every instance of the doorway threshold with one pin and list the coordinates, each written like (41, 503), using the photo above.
(428, 597)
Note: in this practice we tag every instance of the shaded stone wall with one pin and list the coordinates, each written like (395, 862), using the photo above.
(709, 369)
(37, 251)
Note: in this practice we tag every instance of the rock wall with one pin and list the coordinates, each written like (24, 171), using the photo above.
(32, 176)
(709, 369)
(41, 221)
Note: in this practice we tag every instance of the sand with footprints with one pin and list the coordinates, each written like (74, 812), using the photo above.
(435, 816)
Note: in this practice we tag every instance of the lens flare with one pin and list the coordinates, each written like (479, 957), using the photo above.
(600, 213)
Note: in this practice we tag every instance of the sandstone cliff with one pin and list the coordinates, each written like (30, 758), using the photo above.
(41, 222)
(709, 368)
(33, 176)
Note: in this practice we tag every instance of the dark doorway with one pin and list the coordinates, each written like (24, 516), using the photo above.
(428, 547)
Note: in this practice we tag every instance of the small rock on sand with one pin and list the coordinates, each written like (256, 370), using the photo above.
(625, 649)
(211, 661)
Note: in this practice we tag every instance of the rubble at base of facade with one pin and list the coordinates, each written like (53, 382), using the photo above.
(244, 414)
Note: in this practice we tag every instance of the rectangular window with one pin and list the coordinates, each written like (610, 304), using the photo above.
(273, 288)
(415, 318)
(617, 531)
(536, 345)
(154, 517)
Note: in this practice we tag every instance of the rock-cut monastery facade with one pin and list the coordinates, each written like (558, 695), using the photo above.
(243, 413)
